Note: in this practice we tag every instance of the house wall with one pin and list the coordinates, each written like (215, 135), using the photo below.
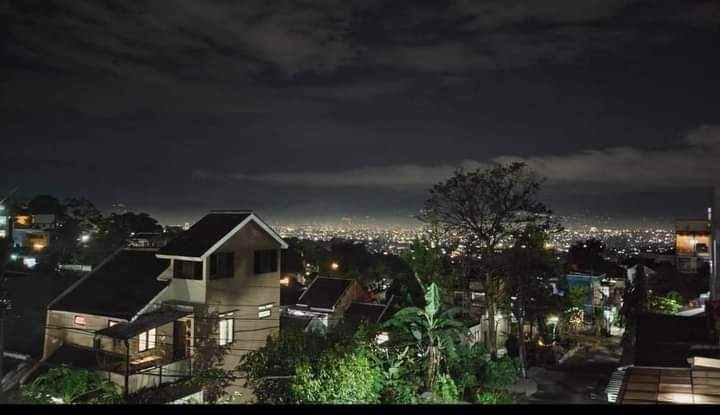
(63, 330)
(245, 292)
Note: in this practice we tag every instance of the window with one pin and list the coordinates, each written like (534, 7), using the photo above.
(146, 340)
(188, 270)
(221, 265)
(80, 321)
(226, 331)
(266, 261)
(265, 311)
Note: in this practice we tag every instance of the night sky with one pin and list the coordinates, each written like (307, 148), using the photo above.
(321, 109)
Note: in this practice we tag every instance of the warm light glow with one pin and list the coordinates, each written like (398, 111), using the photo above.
(85, 238)
(23, 220)
(382, 338)
(38, 246)
(80, 321)
(285, 281)
(335, 266)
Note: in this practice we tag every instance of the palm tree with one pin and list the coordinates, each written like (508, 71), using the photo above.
(433, 331)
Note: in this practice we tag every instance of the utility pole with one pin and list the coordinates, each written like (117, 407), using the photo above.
(5, 305)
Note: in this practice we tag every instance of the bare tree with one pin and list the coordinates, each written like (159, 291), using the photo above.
(483, 208)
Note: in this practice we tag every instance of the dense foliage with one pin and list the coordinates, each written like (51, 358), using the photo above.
(72, 387)
(270, 369)
(340, 377)
(668, 304)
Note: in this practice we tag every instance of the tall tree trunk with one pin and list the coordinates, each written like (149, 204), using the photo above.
(521, 334)
(432, 366)
(492, 334)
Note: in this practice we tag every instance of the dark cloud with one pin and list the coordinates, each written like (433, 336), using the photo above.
(694, 161)
(178, 105)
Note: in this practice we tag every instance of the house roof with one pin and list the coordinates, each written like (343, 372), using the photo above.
(120, 287)
(324, 292)
(145, 322)
(367, 312)
(211, 231)
(662, 385)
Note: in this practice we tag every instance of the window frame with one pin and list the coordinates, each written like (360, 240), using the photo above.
(147, 340)
(226, 330)
(261, 264)
(179, 272)
(215, 265)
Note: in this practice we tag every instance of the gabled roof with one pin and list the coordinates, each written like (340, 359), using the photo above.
(120, 287)
(367, 312)
(210, 232)
(324, 293)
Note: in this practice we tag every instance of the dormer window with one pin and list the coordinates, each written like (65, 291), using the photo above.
(188, 270)
(221, 265)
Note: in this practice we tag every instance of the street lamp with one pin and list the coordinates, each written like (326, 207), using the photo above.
(335, 266)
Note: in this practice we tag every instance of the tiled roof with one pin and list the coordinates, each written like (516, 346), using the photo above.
(324, 292)
(367, 312)
(647, 385)
(204, 234)
(120, 287)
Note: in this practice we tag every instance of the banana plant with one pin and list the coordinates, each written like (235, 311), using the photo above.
(432, 330)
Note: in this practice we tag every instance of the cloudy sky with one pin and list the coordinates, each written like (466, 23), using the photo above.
(329, 108)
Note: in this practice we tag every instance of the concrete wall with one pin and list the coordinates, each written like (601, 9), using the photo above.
(243, 293)
(61, 329)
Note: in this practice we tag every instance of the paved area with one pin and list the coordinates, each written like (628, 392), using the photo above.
(581, 379)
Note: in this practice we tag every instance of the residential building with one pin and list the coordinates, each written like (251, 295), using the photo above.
(692, 244)
(327, 301)
(139, 316)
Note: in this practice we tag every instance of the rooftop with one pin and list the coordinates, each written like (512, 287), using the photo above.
(366, 312)
(120, 287)
(204, 234)
(324, 292)
(659, 385)
(145, 322)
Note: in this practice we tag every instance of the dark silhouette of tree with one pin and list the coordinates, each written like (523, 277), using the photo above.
(483, 208)
(586, 256)
(634, 304)
(528, 267)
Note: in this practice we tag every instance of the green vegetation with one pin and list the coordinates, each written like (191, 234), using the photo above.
(71, 386)
(668, 304)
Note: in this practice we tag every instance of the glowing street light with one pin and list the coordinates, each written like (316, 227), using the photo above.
(335, 266)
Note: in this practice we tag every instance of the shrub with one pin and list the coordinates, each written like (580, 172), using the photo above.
(501, 373)
(445, 390)
(72, 386)
(493, 397)
(466, 365)
(339, 378)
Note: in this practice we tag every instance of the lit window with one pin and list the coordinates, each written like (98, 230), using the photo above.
(226, 331)
(3, 233)
(146, 340)
(80, 321)
(265, 311)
